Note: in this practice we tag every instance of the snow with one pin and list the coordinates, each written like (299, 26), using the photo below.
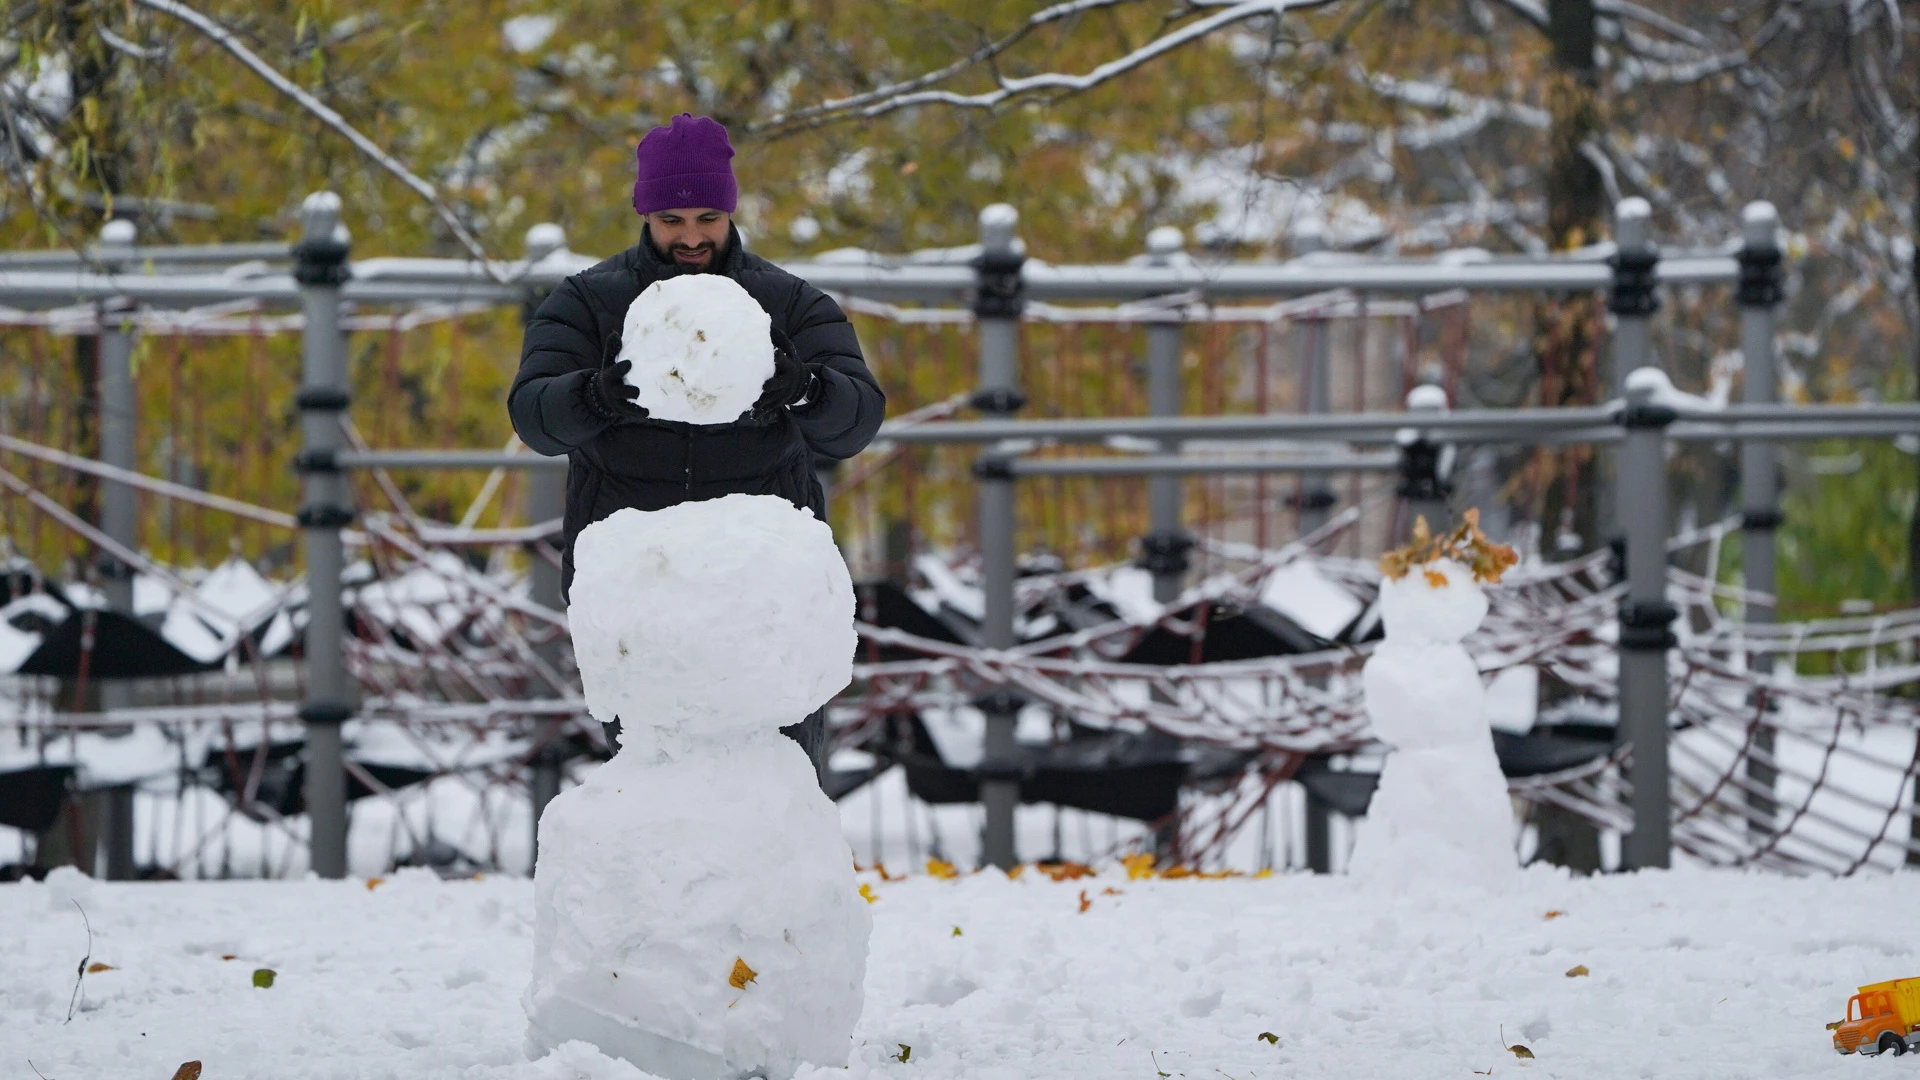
(694, 590)
(1693, 974)
(525, 33)
(1303, 594)
(1441, 812)
(701, 349)
(696, 911)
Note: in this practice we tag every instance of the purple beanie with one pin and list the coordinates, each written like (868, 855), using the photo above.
(686, 164)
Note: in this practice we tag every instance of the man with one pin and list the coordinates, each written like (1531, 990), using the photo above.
(570, 397)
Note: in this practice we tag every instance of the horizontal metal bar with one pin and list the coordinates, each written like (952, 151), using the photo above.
(159, 253)
(1353, 427)
(1812, 429)
(445, 459)
(402, 279)
(1558, 425)
(1163, 464)
(43, 289)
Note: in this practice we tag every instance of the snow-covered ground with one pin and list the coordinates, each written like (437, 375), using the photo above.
(1692, 974)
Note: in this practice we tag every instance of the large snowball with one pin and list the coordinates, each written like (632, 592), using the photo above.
(1416, 609)
(656, 876)
(700, 348)
(732, 615)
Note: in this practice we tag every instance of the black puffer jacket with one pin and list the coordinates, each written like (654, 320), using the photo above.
(651, 464)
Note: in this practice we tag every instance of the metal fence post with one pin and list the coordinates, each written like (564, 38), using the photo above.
(1759, 294)
(321, 268)
(1640, 489)
(546, 500)
(1424, 464)
(1316, 392)
(119, 519)
(1000, 298)
(119, 411)
(1163, 551)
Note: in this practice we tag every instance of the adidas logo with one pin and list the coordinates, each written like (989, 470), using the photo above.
(685, 193)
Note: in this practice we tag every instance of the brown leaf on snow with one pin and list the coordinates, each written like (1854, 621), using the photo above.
(1554, 914)
(375, 882)
(1085, 903)
(742, 974)
(96, 967)
(1577, 970)
(1520, 1051)
(1269, 1038)
(188, 1070)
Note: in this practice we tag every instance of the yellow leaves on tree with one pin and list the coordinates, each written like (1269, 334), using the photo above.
(742, 974)
(1466, 544)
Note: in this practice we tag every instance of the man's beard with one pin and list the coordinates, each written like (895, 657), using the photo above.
(715, 253)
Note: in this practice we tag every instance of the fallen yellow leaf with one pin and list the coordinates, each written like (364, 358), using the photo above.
(742, 974)
(1520, 1051)
(375, 882)
(96, 967)
(1554, 914)
(1084, 902)
(1577, 971)
(1269, 1038)
(867, 893)
(1138, 866)
(1065, 871)
(956, 931)
(941, 869)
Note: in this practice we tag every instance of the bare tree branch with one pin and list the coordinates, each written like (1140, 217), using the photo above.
(828, 110)
(225, 38)
(914, 93)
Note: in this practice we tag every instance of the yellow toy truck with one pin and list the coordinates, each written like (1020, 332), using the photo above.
(1881, 1017)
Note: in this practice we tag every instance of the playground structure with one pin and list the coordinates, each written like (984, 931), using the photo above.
(1722, 746)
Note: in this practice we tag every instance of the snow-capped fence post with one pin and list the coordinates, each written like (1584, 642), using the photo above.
(1316, 496)
(1424, 463)
(118, 414)
(320, 266)
(1163, 551)
(1759, 294)
(999, 298)
(1640, 490)
(120, 519)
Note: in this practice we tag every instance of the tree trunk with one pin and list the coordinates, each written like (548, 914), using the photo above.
(1568, 330)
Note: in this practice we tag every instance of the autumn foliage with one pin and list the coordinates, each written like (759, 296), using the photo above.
(1466, 544)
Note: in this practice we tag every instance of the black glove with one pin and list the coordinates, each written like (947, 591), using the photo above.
(607, 393)
(793, 383)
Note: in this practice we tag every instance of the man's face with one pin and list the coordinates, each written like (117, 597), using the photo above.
(691, 238)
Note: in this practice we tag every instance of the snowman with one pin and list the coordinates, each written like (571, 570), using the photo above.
(1441, 812)
(696, 912)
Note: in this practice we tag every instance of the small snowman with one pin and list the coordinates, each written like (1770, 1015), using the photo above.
(695, 907)
(1441, 812)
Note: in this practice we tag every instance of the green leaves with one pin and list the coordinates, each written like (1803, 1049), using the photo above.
(263, 978)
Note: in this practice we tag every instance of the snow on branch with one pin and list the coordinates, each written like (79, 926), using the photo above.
(225, 38)
(918, 92)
